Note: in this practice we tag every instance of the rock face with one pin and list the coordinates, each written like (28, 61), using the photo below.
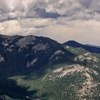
(29, 53)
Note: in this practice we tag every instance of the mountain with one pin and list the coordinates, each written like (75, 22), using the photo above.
(39, 68)
(90, 48)
(25, 54)
(73, 43)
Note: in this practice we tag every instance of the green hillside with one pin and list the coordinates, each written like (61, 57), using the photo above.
(70, 80)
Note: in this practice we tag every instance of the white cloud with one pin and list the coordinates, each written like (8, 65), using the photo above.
(59, 19)
(81, 31)
(73, 9)
(13, 27)
(23, 26)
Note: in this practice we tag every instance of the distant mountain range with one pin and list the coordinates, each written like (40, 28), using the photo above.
(39, 68)
(90, 48)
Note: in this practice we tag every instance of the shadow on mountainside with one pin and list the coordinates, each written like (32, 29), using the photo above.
(10, 88)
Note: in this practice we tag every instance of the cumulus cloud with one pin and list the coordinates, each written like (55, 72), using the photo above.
(24, 26)
(13, 27)
(71, 9)
(58, 19)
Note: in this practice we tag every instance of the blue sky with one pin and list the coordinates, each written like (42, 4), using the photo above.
(61, 20)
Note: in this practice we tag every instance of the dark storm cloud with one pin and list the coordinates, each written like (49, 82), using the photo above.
(43, 14)
(71, 9)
